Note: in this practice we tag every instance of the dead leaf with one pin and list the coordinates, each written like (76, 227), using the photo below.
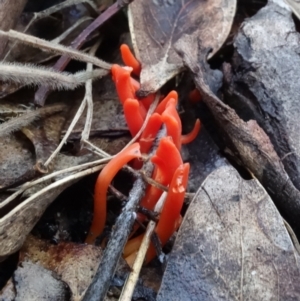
(75, 264)
(10, 10)
(232, 245)
(18, 216)
(157, 24)
(35, 283)
(16, 158)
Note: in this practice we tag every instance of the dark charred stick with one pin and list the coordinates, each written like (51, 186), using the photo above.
(151, 215)
(121, 230)
(42, 93)
(158, 247)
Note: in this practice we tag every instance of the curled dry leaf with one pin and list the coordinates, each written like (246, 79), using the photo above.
(157, 24)
(232, 245)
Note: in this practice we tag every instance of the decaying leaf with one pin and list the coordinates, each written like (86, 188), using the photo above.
(18, 217)
(75, 264)
(35, 283)
(10, 10)
(157, 24)
(232, 245)
(17, 161)
(249, 143)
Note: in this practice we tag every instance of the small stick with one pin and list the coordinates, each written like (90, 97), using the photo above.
(42, 93)
(88, 98)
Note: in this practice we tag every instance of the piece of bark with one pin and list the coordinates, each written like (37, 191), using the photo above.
(10, 10)
(248, 142)
(264, 82)
(232, 245)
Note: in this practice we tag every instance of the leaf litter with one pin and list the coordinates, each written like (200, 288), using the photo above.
(164, 48)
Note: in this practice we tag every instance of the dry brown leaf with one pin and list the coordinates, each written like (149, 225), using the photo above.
(18, 217)
(157, 25)
(35, 283)
(10, 11)
(17, 162)
(75, 264)
(232, 245)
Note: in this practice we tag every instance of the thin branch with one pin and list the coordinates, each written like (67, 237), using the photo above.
(42, 93)
(37, 75)
(47, 12)
(25, 119)
(55, 8)
(55, 48)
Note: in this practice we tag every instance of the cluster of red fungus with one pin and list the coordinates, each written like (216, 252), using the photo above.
(169, 169)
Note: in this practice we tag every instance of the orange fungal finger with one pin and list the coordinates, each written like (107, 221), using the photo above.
(133, 116)
(166, 160)
(162, 105)
(148, 136)
(132, 245)
(173, 123)
(104, 179)
(172, 207)
(185, 139)
(195, 96)
(130, 60)
(123, 82)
